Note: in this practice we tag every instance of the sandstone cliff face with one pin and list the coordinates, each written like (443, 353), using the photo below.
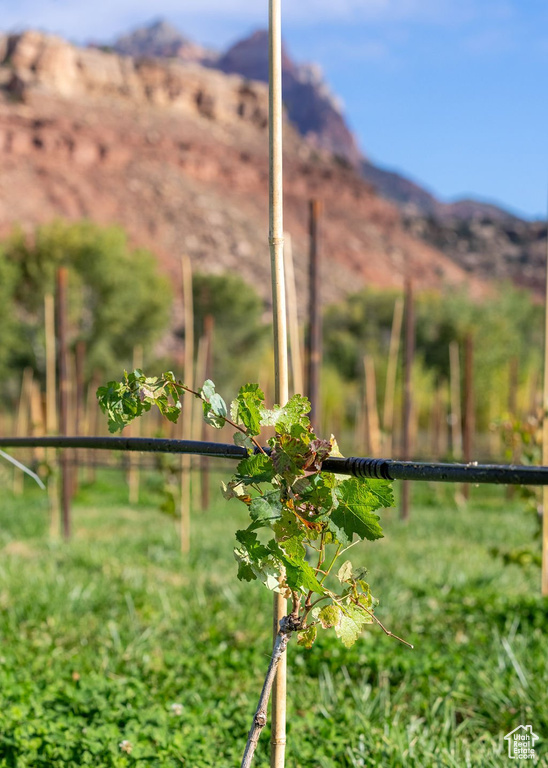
(177, 155)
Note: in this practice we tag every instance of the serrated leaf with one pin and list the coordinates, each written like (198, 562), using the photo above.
(306, 638)
(287, 527)
(345, 572)
(218, 405)
(284, 417)
(246, 409)
(302, 577)
(351, 622)
(354, 512)
(329, 616)
(294, 549)
(255, 469)
(267, 508)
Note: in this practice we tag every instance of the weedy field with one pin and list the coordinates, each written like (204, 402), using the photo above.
(117, 651)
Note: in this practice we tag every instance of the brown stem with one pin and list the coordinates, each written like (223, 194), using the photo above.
(287, 625)
(229, 421)
(386, 631)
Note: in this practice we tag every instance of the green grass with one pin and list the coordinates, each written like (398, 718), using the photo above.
(102, 636)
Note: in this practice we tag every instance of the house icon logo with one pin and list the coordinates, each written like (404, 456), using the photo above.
(521, 743)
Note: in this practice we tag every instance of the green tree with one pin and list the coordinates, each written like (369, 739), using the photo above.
(116, 295)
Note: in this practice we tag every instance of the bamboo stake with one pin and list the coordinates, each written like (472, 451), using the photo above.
(186, 496)
(276, 243)
(372, 413)
(314, 335)
(456, 417)
(469, 418)
(293, 318)
(133, 471)
(388, 411)
(544, 575)
(22, 422)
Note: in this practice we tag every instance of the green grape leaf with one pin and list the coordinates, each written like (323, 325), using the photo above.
(246, 409)
(286, 416)
(306, 637)
(287, 527)
(354, 512)
(329, 616)
(294, 549)
(255, 469)
(255, 561)
(302, 577)
(351, 622)
(267, 508)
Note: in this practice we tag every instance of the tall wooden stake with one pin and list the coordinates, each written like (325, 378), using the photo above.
(391, 370)
(407, 391)
(456, 417)
(22, 422)
(293, 318)
(314, 333)
(469, 419)
(64, 394)
(186, 495)
(371, 410)
(544, 576)
(275, 239)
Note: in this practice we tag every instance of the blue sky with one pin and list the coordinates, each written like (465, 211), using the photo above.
(450, 92)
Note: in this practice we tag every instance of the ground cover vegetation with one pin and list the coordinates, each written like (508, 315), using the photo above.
(118, 651)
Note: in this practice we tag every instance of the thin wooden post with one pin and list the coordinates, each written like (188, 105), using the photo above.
(186, 494)
(409, 314)
(293, 318)
(276, 242)
(391, 370)
(63, 397)
(456, 417)
(314, 332)
(22, 421)
(469, 417)
(371, 410)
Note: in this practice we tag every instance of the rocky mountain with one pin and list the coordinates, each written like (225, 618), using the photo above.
(177, 154)
(479, 237)
(161, 40)
(310, 104)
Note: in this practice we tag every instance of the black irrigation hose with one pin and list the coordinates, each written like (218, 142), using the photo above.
(386, 469)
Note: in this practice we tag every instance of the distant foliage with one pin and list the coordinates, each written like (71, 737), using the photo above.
(115, 292)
